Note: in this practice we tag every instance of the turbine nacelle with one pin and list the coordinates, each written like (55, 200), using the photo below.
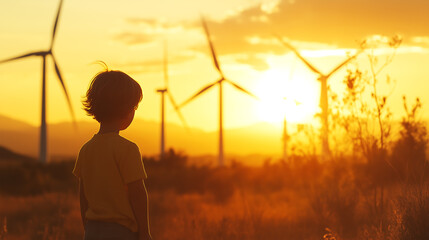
(161, 90)
(321, 78)
(43, 53)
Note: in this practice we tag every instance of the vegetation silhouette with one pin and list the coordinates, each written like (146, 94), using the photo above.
(409, 151)
(273, 201)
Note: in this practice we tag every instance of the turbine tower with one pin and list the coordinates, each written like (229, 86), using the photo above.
(44, 54)
(163, 91)
(323, 78)
(286, 136)
(219, 82)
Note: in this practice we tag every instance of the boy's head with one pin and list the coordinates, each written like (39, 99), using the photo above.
(112, 95)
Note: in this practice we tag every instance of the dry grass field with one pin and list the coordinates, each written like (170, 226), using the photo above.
(309, 200)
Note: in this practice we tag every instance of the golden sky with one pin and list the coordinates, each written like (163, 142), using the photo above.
(129, 35)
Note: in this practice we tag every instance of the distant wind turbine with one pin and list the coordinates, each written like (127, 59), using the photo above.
(163, 91)
(323, 78)
(219, 82)
(44, 54)
(286, 135)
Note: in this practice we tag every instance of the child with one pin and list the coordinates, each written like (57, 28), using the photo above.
(113, 197)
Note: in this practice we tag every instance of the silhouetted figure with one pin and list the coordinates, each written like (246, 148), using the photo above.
(113, 196)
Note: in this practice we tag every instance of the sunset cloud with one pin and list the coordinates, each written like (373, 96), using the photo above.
(310, 25)
(156, 65)
(333, 22)
(256, 62)
(270, 7)
(423, 40)
(133, 38)
(143, 30)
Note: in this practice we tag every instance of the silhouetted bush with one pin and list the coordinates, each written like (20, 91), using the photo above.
(173, 173)
(272, 201)
(409, 151)
(32, 178)
(414, 209)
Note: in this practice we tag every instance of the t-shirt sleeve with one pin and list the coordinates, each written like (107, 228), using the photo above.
(131, 165)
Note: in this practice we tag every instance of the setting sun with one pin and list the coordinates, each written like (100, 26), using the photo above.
(283, 92)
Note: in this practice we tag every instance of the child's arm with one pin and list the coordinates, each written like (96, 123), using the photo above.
(139, 203)
(83, 203)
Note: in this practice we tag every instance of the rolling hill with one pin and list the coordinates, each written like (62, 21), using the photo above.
(64, 140)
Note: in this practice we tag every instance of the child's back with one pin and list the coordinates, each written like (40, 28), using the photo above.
(109, 167)
(108, 161)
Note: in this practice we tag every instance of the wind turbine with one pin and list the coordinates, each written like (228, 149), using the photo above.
(323, 78)
(285, 137)
(285, 133)
(163, 91)
(44, 54)
(217, 82)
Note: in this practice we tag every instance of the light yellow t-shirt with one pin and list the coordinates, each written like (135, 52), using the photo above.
(105, 165)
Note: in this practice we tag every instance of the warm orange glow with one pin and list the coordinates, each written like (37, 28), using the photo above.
(130, 39)
(297, 97)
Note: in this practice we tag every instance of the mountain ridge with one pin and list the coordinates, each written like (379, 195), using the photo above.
(64, 140)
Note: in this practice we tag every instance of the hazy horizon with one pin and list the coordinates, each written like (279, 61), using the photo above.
(195, 142)
(132, 38)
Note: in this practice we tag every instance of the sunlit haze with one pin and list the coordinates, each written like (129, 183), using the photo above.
(260, 119)
(130, 36)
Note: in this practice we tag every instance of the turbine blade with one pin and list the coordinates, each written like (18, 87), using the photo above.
(55, 24)
(165, 64)
(215, 61)
(198, 93)
(19, 57)
(57, 70)
(173, 102)
(241, 89)
(344, 63)
(286, 44)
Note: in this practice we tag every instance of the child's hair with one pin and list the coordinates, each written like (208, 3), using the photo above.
(111, 95)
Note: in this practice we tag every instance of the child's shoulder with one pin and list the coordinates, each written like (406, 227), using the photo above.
(125, 141)
(125, 146)
(109, 140)
(119, 142)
